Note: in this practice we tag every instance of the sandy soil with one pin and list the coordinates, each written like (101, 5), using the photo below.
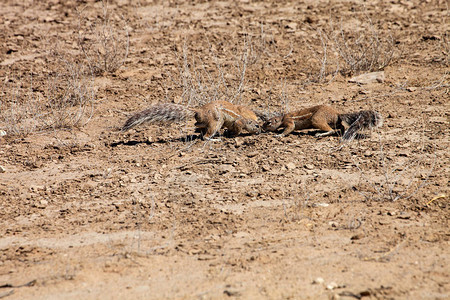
(156, 213)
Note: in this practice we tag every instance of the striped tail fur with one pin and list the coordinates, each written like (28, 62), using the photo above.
(162, 112)
(365, 119)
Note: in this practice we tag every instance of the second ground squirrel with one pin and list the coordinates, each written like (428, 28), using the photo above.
(326, 118)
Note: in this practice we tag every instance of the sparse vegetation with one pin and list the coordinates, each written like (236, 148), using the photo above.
(395, 177)
(71, 97)
(20, 109)
(103, 42)
(65, 97)
(363, 51)
(350, 51)
(200, 82)
(65, 100)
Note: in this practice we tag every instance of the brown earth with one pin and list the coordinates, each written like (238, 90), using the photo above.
(155, 213)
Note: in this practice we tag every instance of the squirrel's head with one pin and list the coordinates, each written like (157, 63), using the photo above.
(273, 123)
(253, 127)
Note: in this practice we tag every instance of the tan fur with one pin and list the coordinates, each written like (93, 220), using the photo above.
(325, 118)
(210, 117)
(320, 117)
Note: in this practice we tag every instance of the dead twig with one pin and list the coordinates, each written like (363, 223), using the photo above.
(8, 285)
(384, 257)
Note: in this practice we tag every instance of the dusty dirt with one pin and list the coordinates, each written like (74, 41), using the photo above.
(91, 213)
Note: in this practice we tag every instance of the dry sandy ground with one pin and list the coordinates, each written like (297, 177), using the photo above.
(156, 213)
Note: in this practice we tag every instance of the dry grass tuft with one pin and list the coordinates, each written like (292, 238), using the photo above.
(103, 42)
(63, 99)
(349, 51)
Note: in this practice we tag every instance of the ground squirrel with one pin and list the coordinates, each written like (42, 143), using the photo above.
(326, 118)
(210, 117)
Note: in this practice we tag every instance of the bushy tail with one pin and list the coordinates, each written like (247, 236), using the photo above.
(162, 112)
(365, 119)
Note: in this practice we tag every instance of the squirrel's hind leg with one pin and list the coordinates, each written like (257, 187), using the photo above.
(323, 125)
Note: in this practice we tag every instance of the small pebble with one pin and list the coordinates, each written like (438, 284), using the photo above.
(318, 280)
(309, 166)
(332, 286)
(253, 154)
(357, 237)
(290, 166)
(2, 169)
(333, 224)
